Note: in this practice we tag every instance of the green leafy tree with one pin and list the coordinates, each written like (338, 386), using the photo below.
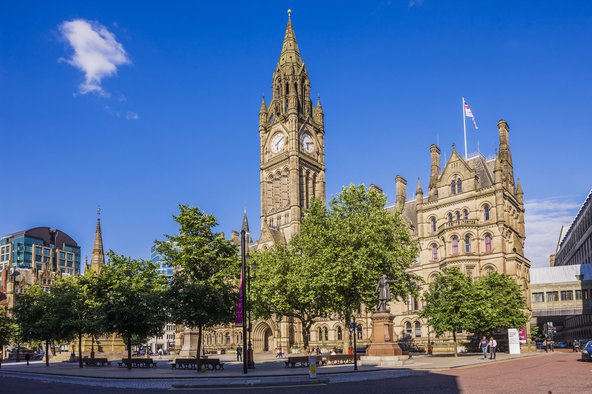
(499, 303)
(134, 299)
(40, 316)
(289, 280)
(8, 331)
(203, 291)
(78, 296)
(449, 304)
(363, 241)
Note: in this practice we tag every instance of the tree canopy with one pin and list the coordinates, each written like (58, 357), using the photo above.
(203, 291)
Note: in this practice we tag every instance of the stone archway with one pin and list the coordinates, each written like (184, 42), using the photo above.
(263, 338)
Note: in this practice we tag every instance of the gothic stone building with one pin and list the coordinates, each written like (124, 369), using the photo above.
(472, 216)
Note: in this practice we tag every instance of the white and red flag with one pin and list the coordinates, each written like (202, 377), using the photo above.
(469, 113)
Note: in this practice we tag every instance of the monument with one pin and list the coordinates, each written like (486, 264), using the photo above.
(383, 349)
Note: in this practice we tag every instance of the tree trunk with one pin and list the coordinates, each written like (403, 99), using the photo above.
(455, 344)
(18, 351)
(80, 349)
(198, 358)
(129, 352)
(305, 333)
(47, 352)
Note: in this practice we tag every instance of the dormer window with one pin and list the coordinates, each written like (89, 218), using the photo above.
(453, 187)
(456, 186)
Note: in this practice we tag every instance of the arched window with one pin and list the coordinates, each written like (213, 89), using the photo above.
(465, 214)
(417, 329)
(433, 224)
(449, 217)
(457, 215)
(452, 190)
(467, 243)
(459, 186)
(326, 334)
(408, 329)
(320, 334)
(487, 243)
(227, 338)
(454, 244)
(434, 252)
(339, 333)
(486, 212)
(360, 332)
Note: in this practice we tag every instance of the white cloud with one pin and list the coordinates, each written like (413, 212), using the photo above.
(132, 115)
(96, 53)
(544, 219)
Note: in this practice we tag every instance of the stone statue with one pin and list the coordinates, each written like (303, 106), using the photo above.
(384, 293)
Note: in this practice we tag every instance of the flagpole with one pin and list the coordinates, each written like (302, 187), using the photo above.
(464, 126)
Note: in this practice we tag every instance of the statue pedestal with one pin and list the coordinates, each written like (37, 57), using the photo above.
(384, 342)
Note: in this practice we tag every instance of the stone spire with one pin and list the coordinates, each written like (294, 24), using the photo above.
(97, 260)
(245, 227)
(290, 54)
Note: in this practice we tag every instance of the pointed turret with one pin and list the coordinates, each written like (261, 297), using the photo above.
(290, 54)
(519, 192)
(419, 192)
(262, 113)
(319, 115)
(97, 260)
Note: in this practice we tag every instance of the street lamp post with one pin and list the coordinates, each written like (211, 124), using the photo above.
(353, 329)
(244, 296)
(251, 361)
(279, 326)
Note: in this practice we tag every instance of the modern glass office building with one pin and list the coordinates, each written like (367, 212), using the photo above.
(162, 267)
(40, 247)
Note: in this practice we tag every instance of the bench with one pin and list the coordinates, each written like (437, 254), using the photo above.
(137, 363)
(300, 361)
(95, 362)
(191, 363)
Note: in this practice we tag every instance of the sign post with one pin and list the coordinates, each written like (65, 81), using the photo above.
(513, 341)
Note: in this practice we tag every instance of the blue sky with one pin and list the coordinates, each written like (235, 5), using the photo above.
(169, 112)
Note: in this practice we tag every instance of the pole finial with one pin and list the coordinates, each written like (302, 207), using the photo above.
(289, 12)
(99, 212)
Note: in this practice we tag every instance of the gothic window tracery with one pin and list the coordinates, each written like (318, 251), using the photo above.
(486, 212)
(454, 244)
(434, 252)
(468, 243)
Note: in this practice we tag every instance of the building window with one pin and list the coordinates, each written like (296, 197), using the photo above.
(579, 295)
(552, 296)
(486, 212)
(326, 334)
(339, 333)
(585, 294)
(459, 186)
(408, 329)
(467, 244)
(470, 271)
(566, 295)
(465, 214)
(449, 217)
(454, 244)
(320, 334)
(360, 332)
(452, 190)
(227, 338)
(433, 225)
(417, 329)
(538, 297)
(434, 252)
(457, 215)
(487, 243)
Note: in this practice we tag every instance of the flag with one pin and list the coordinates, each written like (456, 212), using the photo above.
(469, 114)
(238, 318)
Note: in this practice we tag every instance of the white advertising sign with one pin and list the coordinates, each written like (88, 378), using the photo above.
(513, 341)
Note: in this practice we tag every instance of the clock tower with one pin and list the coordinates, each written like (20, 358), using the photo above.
(292, 143)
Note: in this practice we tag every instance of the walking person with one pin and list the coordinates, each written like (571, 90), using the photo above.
(492, 348)
(239, 353)
(483, 343)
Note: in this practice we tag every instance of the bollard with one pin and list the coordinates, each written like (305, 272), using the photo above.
(312, 366)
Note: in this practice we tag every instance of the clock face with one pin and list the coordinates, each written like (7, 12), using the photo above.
(277, 142)
(307, 142)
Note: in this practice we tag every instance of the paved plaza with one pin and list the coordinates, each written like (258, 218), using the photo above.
(526, 373)
(268, 371)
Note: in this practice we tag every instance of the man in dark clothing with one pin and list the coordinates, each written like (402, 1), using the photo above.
(239, 353)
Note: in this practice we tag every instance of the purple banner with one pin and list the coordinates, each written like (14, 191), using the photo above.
(238, 319)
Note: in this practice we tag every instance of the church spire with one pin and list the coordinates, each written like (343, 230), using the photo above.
(290, 54)
(98, 256)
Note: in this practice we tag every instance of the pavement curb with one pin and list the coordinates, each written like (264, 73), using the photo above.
(309, 382)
